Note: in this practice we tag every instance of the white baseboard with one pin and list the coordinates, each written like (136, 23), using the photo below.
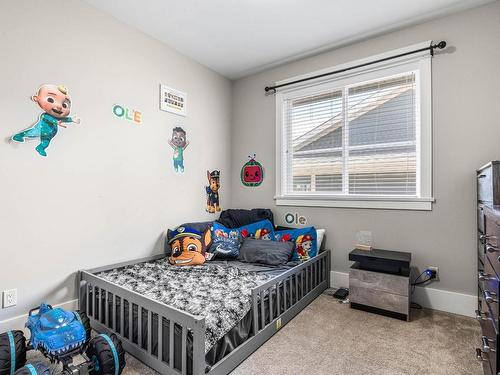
(339, 279)
(18, 322)
(436, 299)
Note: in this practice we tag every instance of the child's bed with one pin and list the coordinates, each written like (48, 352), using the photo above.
(216, 333)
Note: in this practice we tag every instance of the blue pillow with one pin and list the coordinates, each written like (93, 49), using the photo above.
(226, 241)
(305, 240)
(261, 230)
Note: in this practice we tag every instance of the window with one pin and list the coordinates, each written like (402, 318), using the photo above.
(301, 183)
(359, 140)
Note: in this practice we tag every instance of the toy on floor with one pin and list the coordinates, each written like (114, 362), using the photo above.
(56, 104)
(60, 336)
(213, 191)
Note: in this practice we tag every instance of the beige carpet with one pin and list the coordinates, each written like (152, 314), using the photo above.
(330, 338)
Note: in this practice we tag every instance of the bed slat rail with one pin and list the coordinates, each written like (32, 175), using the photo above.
(155, 333)
(283, 292)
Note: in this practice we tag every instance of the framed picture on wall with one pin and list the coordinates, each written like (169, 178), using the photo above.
(173, 101)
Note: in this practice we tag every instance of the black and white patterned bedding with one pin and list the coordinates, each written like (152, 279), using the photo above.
(220, 293)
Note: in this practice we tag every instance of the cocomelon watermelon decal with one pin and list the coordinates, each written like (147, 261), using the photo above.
(252, 173)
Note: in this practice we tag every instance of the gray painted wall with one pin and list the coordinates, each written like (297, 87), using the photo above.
(466, 135)
(107, 189)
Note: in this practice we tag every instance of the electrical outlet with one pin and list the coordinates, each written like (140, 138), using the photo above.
(435, 269)
(9, 298)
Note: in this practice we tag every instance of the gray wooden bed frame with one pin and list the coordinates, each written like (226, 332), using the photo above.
(309, 279)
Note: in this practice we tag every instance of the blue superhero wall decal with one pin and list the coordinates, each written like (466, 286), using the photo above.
(178, 142)
(56, 105)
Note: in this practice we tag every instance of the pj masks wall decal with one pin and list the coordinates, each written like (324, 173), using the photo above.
(56, 105)
(178, 142)
(252, 173)
(213, 191)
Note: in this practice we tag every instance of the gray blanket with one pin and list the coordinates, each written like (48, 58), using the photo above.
(218, 292)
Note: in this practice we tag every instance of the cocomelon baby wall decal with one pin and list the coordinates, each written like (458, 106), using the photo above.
(56, 105)
(252, 173)
(179, 143)
(213, 191)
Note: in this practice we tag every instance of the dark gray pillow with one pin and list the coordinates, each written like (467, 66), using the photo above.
(273, 253)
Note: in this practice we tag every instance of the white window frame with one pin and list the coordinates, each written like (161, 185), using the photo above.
(420, 63)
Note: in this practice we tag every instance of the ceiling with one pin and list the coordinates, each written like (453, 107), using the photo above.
(240, 37)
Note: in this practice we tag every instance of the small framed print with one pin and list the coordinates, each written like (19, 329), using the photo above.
(173, 101)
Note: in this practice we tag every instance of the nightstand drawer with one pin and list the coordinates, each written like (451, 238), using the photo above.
(382, 282)
(380, 300)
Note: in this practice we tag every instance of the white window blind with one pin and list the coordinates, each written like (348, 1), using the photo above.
(360, 139)
(355, 140)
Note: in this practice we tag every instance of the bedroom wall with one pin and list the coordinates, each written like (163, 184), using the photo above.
(107, 189)
(466, 134)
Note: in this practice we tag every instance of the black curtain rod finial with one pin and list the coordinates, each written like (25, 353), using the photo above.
(441, 44)
(270, 90)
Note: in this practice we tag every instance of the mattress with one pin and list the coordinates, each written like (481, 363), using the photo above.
(228, 322)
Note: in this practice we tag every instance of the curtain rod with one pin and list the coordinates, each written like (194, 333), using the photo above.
(431, 48)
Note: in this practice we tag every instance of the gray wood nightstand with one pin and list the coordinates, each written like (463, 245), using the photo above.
(379, 282)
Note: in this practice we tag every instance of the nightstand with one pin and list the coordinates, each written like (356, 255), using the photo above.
(379, 282)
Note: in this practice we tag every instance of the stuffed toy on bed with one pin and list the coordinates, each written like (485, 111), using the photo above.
(188, 246)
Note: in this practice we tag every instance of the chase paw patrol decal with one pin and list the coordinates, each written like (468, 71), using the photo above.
(56, 105)
(252, 173)
(188, 246)
(212, 191)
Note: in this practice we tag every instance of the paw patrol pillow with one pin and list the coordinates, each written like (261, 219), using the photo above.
(188, 246)
(200, 226)
(261, 230)
(226, 242)
(305, 240)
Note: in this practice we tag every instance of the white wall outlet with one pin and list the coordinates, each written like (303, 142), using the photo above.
(435, 269)
(9, 298)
